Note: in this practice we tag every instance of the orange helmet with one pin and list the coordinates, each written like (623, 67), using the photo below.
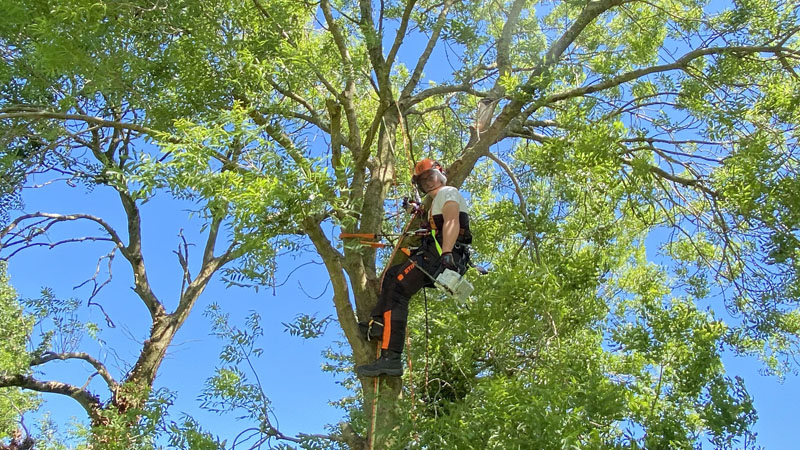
(425, 172)
(425, 165)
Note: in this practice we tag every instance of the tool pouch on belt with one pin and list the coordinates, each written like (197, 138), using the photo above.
(432, 250)
(461, 252)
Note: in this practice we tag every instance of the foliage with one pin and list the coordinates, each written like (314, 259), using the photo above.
(15, 327)
(586, 134)
(230, 391)
(586, 348)
(61, 328)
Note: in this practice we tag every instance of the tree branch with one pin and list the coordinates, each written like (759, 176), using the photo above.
(688, 182)
(314, 118)
(341, 294)
(522, 205)
(460, 169)
(30, 113)
(55, 218)
(401, 32)
(338, 39)
(90, 403)
(592, 10)
(133, 253)
(98, 366)
(443, 89)
(426, 54)
(504, 44)
(374, 44)
(681, 63)
(346, 97)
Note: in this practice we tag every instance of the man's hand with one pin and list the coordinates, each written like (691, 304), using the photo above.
(449, 261)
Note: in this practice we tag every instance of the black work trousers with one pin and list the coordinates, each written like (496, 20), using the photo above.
(400, 283)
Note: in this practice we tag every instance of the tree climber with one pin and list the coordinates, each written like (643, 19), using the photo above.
(444, 247)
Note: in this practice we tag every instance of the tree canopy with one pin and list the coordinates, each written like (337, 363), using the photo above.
(631, 167)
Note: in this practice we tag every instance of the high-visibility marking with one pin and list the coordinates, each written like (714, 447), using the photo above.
(387, 329)
(438, 247)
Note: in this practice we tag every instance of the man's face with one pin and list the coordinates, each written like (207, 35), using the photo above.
(430, 180)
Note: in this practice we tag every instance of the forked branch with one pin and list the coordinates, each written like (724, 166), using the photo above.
(98, 366)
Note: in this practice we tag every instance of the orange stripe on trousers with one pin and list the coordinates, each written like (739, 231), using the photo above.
(387, 329)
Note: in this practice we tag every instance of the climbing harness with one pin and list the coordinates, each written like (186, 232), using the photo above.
(448, 281)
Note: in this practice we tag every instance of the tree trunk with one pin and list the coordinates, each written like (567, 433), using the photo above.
(380, 394)
(144, 372)
(381, 397)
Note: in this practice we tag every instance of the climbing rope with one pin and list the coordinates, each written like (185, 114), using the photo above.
(376, 392)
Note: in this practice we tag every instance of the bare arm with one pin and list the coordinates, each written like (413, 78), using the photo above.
(450, 227)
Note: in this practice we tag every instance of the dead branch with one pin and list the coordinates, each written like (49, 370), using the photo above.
(50, 219)
(97, 287)
(98, 366)
(183, 259)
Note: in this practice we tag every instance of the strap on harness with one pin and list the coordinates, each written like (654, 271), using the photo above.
(438, 247)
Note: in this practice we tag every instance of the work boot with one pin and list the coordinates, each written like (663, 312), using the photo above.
(371, 331)
(388, 364)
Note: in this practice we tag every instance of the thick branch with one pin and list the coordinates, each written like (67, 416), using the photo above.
(209, 267)
(458, 171)
(337, 140)
(207, 270)
(339, 40)
(504, 42)
(89, 402)
(133, 253)
(592, 10)
(341, 294)
(346, 97)
(372, 39)
(211, 241)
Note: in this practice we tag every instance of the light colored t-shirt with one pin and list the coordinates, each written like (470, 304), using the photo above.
(447, 194)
